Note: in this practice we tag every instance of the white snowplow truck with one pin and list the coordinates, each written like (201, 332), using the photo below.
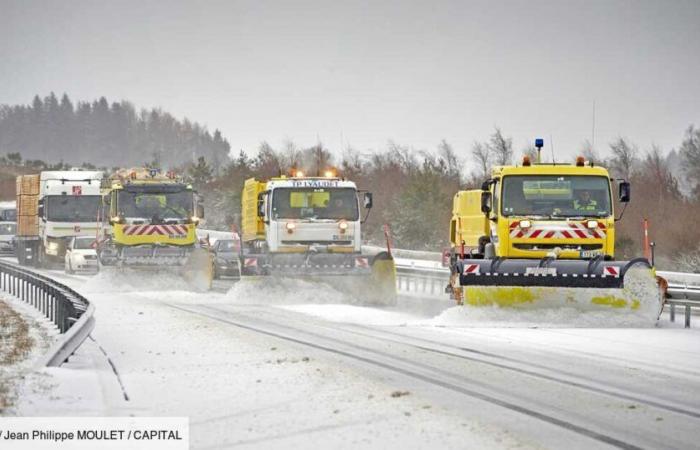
(53, 207)
(310, 228)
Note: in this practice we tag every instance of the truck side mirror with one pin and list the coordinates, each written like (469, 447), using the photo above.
(486, 202)
(40, 210)
(261, 205)
(368, 200)
(625, 192)
(199, 211)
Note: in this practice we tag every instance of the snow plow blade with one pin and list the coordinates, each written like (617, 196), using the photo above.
(370, 279)
(193, 265)
(549, 283)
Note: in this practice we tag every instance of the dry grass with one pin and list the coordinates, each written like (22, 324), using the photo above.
(15, 344)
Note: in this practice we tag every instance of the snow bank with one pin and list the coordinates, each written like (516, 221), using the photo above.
(134, 280)
(286, 291)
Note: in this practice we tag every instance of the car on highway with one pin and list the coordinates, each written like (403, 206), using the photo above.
(7, 237)
(81, 255)
(226, 258)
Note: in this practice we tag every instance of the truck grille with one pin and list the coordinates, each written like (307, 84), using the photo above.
(577, 247)
(317, 242)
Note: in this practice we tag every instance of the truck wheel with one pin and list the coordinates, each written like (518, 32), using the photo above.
(20, 253)
(40, 257)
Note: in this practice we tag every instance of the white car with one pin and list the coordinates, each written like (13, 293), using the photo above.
(81, 255)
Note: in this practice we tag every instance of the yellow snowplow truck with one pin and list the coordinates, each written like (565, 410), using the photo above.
(150, 221)
(543, 235)
(310, 228)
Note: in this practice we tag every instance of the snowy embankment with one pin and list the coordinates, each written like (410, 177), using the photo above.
(25, 335)
(294, 364)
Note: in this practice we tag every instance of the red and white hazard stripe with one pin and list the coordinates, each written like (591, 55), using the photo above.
(361, 262)
(250, 262)
(151, 230)
(611, 271)
(570, 230)
(471, 269)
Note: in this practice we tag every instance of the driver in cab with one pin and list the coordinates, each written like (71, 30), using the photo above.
(584, 202)
(338, 209)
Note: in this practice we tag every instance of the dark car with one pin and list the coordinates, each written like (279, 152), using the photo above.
(226, 258)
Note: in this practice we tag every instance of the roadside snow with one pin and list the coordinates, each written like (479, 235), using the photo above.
(41, 334)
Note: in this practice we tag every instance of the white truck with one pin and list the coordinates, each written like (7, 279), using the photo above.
(310, 227)
(53, 207)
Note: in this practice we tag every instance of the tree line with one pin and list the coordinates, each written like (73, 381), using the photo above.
(104, 134)
(414, 188)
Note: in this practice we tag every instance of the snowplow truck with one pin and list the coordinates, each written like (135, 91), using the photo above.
(543, 235)
(150, 222)
(310, 228)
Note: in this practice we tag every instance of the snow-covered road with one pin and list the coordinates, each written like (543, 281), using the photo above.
(297, 366)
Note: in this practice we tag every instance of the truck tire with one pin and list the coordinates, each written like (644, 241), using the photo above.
(21, 253)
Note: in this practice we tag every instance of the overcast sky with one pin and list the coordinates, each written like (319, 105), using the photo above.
(362, 73)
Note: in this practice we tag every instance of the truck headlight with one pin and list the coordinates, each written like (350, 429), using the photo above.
(525, 224)
(592, 224)
(343, 226)
(290, 227)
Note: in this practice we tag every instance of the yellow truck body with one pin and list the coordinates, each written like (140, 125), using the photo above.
(252, 225)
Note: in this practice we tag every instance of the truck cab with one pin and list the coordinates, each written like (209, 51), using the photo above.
(296, 221)
(311, 212)
(69, 202)
(536, 211)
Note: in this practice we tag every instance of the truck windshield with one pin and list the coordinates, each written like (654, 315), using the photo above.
(315, 203)
(556, 196)
(7, 229)
(71, 208)
(8, 215)
(155, 206)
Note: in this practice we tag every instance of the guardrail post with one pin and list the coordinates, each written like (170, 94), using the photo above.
(687, 316)
(672, 312)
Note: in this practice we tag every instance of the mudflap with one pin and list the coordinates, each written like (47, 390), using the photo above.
(383, 289)
(198, 271)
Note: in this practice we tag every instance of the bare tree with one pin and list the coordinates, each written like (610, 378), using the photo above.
(452, 162)
(624, 157)
(690, 155)
(655, 169)
(290, 155)
(482, 155)
(501, 148)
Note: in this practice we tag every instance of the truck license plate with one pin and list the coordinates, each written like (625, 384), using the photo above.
(587, 254)
(540, 271)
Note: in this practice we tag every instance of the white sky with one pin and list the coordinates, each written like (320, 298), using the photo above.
(367, 72)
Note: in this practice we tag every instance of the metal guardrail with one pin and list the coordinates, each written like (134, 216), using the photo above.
(429, 277)
(69, 311)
